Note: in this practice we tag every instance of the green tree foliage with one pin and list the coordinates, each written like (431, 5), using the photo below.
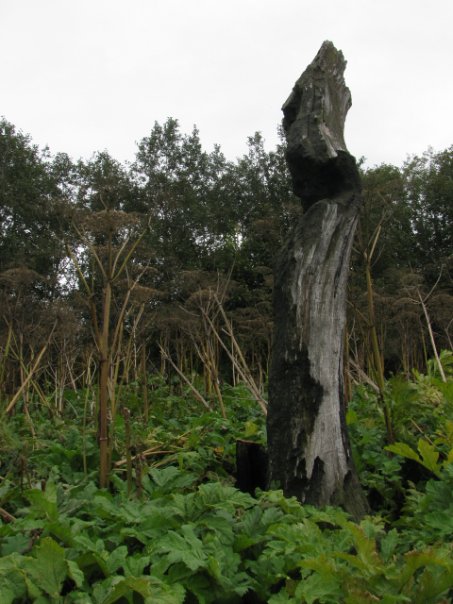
(102, 183)
(404, 211)
(182, 188)
(429, 194)
(32, 222)
(30, 205)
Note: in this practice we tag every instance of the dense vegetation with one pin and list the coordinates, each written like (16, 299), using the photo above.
(134, 348)
(172, 528)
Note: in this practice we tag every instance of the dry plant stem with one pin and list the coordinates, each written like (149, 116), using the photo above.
(431, 337)
(26, 381)
(147, 453)
(219, 397)
(375, 350)
(72, 379)
(6, 516)
(206, 355)
(447, 333)
(107, 343)
(238, 353)
(240, 366)
(139, 461)
(4, 357)
(84, 427)
(144, 381)
(346, 371)
(128, 443)
(36, 387)
(363, 377)
(197, 395)
(104, 370)
(422, 432)
(377, 362)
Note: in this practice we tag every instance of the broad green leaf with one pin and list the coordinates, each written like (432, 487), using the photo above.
(126, 587)
(354, 561)
(414, 560)
(318, 587)
(90, 559)
(220, 496)
(152, 591)
(388, 544)
(217, 526)
(429, 456)
(271, 516)
(404, 450)
(449, 457)
(48, 568)
(75, 573)
(32, 589)
(366, 548)
(7, 595)
(105, 508)
(12, 583)
(61, 530)
(135, 565)
(441, 521)
(322, 564)
(250, 429)
(14, 543)
(116, 559)
(177, 547)
(165, 476)
(351, 417)
(88, 545)
(282, 597)
(394, 599)
(434, 584)
(44, 503)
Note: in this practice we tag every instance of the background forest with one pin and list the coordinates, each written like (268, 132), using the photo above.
(136, 313)
(179, 225)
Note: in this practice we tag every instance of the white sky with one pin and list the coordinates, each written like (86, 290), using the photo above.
(87, 75)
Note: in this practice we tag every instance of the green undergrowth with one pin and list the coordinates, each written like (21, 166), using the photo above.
(190, 542)
(180, 532)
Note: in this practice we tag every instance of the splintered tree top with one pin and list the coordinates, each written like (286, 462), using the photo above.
(314, 117)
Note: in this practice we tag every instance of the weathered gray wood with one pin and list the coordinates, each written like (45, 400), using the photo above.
(309, 452)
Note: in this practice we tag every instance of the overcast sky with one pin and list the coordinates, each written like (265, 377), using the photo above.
(86, 75)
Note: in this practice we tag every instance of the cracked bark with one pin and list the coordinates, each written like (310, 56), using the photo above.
(309, 451)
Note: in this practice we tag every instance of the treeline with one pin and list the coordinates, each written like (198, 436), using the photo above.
(110, 272)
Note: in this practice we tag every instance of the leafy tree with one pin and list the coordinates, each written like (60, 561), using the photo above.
(429, 193)
(30, 205)
(32, 222)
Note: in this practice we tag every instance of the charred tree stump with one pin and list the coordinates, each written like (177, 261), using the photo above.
(308, 447)
(251, 466)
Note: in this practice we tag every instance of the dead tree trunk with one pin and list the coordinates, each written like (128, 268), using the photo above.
(309, 452)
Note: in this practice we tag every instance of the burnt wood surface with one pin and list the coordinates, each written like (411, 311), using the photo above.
(308, 448)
